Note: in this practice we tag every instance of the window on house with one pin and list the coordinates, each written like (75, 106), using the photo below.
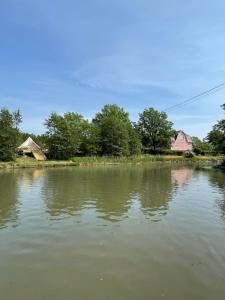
(180, 137)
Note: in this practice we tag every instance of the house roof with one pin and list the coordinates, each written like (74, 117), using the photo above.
(188, 137)
(29, 144)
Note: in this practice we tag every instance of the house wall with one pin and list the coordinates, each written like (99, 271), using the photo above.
(181, 143)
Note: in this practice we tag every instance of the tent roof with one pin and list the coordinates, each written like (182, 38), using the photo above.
(29, 144)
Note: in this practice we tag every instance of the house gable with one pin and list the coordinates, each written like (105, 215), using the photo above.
(182, 142)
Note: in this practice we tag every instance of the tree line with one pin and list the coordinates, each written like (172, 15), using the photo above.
(109, 133)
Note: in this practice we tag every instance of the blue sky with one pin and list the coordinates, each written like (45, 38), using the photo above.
(71, 55)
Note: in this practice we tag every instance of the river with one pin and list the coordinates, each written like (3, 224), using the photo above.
(112, 233)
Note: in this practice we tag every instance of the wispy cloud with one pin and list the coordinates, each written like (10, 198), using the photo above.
(134, 53)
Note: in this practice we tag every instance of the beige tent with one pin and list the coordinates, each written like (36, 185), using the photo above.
(30, 147)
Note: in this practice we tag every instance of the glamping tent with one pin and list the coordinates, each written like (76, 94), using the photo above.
(29, 147)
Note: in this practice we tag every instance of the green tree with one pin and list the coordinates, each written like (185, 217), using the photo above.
(216, 137)
(135, 146)
(115, 130)
(64, 134)
(199, 146)
(216, 140)
(9, 134)
(90, 144)
(155, 129)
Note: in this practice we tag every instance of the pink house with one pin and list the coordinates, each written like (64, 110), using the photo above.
(182, 142)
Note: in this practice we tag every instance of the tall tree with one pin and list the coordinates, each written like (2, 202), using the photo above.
(9, 133)
(155, 129)
(135, 145)
(216, 137)
(200, 146)
(115, 130)
(90, 143)
(64, 134)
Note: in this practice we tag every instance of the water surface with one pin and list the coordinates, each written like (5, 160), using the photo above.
(116, 232)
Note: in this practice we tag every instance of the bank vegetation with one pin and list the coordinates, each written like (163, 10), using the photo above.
(110, 137)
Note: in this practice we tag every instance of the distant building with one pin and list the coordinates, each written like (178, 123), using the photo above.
(182, 142)
(30, 148)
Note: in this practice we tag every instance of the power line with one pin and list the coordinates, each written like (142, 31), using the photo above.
(181, 105)
(213, 90)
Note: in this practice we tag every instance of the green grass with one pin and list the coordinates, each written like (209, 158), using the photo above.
(27, 162)
(143, 159)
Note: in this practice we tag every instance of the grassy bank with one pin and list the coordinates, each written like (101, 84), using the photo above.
(145, 159)
(26, 162)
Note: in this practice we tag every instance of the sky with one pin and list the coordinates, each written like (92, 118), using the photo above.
(73, 55)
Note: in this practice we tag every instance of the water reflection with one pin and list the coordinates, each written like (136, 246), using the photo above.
(50, 254)
(28, 178)
(181, 177)
(8, 199)
(217, 179)
(108, 192)
(105, 189)
(155, 190)
(111, 191)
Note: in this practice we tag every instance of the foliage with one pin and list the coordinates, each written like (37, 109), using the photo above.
(90, 140)
(166, 152)
(27, 162)
(9, 133)
(142, 159)
(135, 146)
(111, 133)
(200, 147)
(117, 135)
(216, 137)
(64, 134)
(155, 129)
(188, 154)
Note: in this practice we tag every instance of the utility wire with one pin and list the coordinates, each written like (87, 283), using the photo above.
(213, 90)
(181, 105)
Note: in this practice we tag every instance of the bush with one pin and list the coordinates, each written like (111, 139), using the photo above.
(188, 154)
(197, 151)
(163, 152)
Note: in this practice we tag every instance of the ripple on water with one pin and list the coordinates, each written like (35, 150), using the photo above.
(113, 233)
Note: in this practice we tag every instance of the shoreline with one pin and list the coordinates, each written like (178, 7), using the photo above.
(23, 163)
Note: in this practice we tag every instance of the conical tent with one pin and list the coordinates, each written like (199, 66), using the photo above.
(29, 146)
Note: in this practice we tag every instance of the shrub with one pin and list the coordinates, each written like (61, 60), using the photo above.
(197, 151)
(188, 154)
(164, 152)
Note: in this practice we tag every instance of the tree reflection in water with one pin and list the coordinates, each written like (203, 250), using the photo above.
(70, 191)
(111, 190)
(217, 179)
(8, 199)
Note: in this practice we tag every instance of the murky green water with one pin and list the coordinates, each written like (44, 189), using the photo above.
(112, 233)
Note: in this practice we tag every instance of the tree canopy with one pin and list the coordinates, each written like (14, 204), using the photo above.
(64, 134)
(200, 146)
(216, 137)
(110, 133)
(117, 134)
(9, 133)
(155, 129)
